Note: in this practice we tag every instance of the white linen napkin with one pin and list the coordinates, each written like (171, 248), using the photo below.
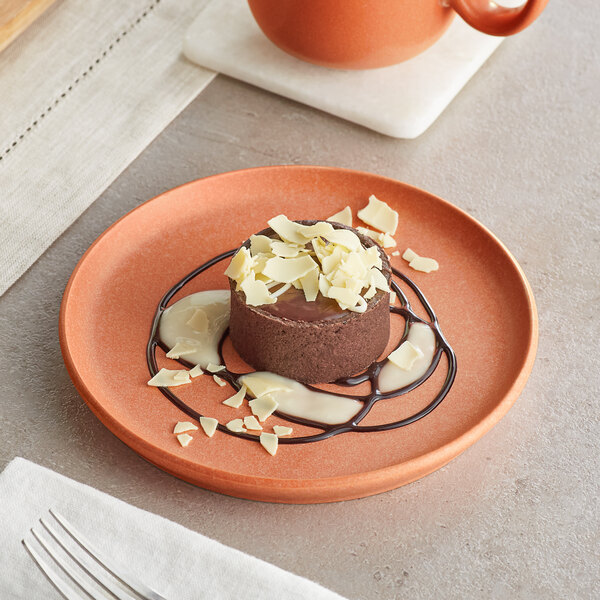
(176, 562)
(82, 92)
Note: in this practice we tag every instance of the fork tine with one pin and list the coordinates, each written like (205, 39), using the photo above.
(65, 566)
(139, 588)
(66, 591)
(90, 567)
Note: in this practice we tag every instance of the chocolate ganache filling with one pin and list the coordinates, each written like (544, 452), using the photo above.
(377, 374)
(292, 305)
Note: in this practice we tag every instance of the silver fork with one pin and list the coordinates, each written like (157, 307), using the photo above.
(91, 564)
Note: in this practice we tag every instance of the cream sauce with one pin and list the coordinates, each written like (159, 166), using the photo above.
(174, 325)
(299, 401)
(295, 400)
(392, 377)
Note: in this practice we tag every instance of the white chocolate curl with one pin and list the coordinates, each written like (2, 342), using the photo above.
(314, 258)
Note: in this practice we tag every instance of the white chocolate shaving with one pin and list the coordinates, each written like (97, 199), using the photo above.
(219, 381)
(409, 255)
(371, 258)
(198, 322)
(353, 266)
(379, 215)
(263, 407)
(214, 368)
(405, 355)
(343, 295)
(262, 384)
(236, 400)
(269, 442)
(240, 264)
(287, 230)
(361, 307)
(183, 347)
(196, 371)
(370, 292)
(379, 280)
(258, 264)
(184, 439)
(237, 426)
(388, 241)
(385, 240)
(252, 424)
(324, 285)
(256, 292)
(420, 263)
(426, 265)
(344, 217)
(279, 248)
(396, 253)
(344, 237)
(331, 262)
(184, 426)
(170, 378)
(318, 229)
(182, 375)
(320, 248)
(310, 285)
(287, 270)
(209, 425)
(259, 244)
(281, 430)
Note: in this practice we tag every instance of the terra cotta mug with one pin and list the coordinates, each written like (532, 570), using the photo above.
(365, 34)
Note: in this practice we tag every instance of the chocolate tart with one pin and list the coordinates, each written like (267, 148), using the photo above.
(311, 342)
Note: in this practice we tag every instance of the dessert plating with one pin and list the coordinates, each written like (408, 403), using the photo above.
(182, 332)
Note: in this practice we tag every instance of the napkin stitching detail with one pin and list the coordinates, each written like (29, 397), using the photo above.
(76, 81)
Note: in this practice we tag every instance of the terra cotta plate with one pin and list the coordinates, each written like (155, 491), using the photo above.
(482, 299)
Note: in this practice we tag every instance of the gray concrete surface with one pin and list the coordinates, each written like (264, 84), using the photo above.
(516, 516)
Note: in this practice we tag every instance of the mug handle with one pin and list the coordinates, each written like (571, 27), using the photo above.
(488, 17)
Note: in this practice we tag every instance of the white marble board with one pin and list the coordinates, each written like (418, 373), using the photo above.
(400, 101)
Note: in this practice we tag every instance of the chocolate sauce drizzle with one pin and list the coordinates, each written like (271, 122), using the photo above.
(370, 375)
